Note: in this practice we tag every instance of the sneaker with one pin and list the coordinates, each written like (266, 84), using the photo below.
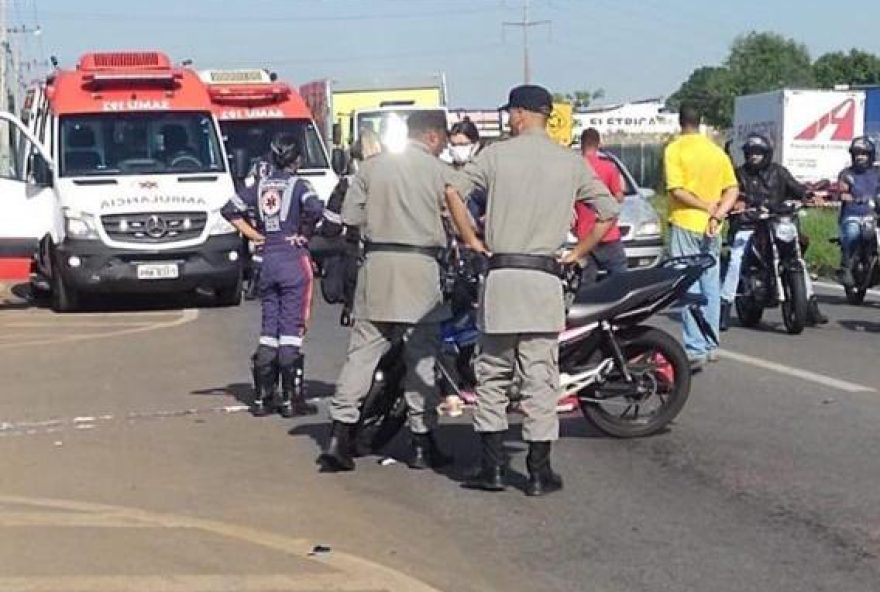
(696, 362)
(567, 403)
(451, 407)
(713, 356)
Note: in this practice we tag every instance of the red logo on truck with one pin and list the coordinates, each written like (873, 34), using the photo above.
(843, 116)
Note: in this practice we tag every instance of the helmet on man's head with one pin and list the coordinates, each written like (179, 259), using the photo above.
(863, 152)
(757, 151)
(284, 149)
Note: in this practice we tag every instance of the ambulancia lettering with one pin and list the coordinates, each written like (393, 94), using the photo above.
(152, 200)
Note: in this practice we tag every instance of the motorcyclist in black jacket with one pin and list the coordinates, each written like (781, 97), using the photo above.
(762, 183)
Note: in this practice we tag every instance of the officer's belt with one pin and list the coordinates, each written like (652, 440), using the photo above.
(433, 252)
(545, 263)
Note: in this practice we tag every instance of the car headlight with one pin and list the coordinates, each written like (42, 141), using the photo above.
(649, 229)
(80, 226)
(222, 226)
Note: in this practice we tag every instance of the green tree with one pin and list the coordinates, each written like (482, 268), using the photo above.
(757, 62)
(855, 67)
(710, 88)
(579, 99)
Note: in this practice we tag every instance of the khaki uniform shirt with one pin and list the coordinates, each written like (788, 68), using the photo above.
(532, 184)
(399, 198)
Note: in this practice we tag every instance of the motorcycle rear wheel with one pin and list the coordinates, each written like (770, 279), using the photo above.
(383, 413)
(662, 375)
(855, 295)
(748, 310)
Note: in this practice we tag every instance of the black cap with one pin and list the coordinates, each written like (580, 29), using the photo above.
(531, 98)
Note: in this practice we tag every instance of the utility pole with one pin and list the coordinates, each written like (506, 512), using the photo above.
(525, 24)
(4, 49)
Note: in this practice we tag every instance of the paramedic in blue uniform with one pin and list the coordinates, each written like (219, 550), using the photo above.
(287, 211)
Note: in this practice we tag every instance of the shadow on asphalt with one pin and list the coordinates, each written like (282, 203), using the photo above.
(458, 439)
(244, 393)
(860, 326)
(109, 303)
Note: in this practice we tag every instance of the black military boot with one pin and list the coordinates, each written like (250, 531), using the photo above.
(542, 479)
(265, 386)
(293, 400)
(814, 315)
(338, 454)
(724, 321)
(490, 475)
(426, 454)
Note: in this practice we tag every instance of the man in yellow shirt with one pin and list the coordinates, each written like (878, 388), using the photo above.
(702, 189)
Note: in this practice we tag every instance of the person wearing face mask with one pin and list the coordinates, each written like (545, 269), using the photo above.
(762, 183)
(860, 186)
(464, 145)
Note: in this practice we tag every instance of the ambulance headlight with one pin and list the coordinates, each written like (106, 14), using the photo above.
(222, 226)
(649, 229)
(80, 226)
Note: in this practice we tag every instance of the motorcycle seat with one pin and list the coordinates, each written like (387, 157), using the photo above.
(619, 293)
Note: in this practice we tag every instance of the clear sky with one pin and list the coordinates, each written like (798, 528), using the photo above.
(631, 48)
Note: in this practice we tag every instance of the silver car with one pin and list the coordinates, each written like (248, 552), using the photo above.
(640, 227)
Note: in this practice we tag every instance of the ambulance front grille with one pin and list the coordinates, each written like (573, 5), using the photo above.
(154, 228)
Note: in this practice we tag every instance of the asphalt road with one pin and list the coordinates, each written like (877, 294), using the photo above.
(127, 463)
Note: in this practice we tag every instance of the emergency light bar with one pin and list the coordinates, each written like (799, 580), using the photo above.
(250, 94)
(236, 77)
(104, 79)
(124, 60)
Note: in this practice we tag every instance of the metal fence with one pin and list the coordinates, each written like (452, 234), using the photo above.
(643, 159)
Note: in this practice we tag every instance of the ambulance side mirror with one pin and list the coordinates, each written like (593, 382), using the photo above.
(41, 170)
(338, 161)
(239, 163)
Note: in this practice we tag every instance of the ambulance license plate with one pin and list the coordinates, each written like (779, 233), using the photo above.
(164, 271)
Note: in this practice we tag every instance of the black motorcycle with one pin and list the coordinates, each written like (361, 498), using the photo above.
(631, 379)
(863, 263)
(773, 270)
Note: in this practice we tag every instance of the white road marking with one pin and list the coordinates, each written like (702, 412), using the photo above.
(186, 316)
(807, 375)
(839, 288)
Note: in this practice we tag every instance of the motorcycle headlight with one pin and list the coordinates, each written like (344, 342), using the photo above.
(785, 231)
(80, 226)
(221, 226)
(649, 229)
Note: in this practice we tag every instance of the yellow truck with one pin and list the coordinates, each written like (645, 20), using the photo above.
(343, 111)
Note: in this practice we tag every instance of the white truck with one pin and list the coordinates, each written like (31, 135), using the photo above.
(115, 181)
(810, 129)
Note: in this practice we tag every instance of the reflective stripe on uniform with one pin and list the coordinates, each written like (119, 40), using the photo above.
(268, 341)
(332, 217)
(238, 203)
(293, 340)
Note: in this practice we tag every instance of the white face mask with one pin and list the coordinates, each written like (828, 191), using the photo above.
(461, 154)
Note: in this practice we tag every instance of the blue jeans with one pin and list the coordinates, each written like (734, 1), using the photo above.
(683, 242)
(850, 234)
(731, 278)
(607, 257)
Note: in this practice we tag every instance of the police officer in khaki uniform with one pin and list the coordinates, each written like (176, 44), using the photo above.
(397, 200)
(532, 184)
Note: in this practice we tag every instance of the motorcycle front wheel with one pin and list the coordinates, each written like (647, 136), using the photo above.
(661, 385)
(795, 307)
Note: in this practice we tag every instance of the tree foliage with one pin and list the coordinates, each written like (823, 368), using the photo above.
(579, 99)
(853, 68)
(761, 62)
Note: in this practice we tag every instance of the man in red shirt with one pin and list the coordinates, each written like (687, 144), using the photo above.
(608, 255)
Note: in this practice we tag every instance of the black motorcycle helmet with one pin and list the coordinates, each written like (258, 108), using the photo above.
(757, 151)
(863, 152)
(284, 150)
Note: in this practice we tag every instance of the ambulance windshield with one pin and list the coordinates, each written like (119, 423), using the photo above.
(145, 143)
(254, 135)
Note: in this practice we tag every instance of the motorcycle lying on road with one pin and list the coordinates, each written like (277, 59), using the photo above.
(773, 270)
(864, 263)
(631, 379)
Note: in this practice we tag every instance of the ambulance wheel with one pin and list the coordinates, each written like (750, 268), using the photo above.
(64, 297)
(230, 295)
